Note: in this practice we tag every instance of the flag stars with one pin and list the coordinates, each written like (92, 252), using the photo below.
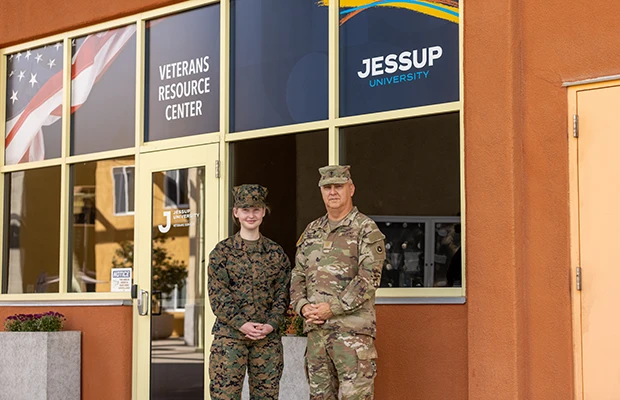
(33, 79)
(22, 75)
(14, 97)
(18, 56)
(58, 46)
(11, 73)
(51, 63)
(39, 57)
(11, 57)
(28, 54)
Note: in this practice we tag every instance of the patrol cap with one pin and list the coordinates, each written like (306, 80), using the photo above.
(250, 195)
(334, 174)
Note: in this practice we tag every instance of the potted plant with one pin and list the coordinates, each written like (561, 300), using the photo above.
(167, 274)
(39, 360)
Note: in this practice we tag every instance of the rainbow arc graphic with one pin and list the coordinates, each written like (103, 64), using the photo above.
(443, 9)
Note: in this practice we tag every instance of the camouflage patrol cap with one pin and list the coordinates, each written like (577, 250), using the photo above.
(250, 195)
(334, 174)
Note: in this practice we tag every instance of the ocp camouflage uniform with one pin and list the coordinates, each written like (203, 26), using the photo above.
(341, 267)
(247, 283)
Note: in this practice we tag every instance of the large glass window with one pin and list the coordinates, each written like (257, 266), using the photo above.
(103, 90)
(287, 166)
(397, 55)
(278, 63)
(102, 221)
(32, 227)
(407, 178)
(34, 104)
(183, 74)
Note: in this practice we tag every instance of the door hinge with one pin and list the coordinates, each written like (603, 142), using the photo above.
(217, 169)
(578, 278)
(575, 125)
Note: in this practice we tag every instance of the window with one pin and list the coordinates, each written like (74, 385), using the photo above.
(278, 60)
(412, 190)
(103, 222)
(176, 188)
(287, 166)
(104, 64)
(380, 92)
(399, 56)
(124, 181)
(32, 221)
(183, 74)
(34, 96)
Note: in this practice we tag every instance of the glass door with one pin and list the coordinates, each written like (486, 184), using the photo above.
(177, 219)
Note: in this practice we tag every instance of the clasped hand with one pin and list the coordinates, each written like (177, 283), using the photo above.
(317, 313)
(256, 331)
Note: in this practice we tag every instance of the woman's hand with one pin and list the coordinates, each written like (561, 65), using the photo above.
(253, 330)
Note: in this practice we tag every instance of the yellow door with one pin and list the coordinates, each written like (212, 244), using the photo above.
(177, 219)
(598, 160)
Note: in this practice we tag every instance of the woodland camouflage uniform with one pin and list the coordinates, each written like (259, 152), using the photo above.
(247, 282)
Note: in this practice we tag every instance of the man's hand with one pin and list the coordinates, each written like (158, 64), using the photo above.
(317, 313)
(253, 330)
(323, 311)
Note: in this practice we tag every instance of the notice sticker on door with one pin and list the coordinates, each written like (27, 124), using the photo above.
(121, 279)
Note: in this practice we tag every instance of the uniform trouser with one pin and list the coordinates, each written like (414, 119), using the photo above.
(340, 362)
(227, 366)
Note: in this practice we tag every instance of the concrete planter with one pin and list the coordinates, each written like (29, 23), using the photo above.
(293, 385)
(162, 326)
(40, 365)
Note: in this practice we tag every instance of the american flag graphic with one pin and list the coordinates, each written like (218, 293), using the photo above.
(34, 89)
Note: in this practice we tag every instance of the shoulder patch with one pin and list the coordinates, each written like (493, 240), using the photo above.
(375, 236)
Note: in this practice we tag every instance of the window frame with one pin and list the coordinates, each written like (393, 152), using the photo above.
(333, 124)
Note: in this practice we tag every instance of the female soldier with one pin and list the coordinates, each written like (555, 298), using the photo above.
(249, 278)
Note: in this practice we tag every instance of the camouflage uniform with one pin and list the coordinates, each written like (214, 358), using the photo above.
(341, 267)
(247, 284)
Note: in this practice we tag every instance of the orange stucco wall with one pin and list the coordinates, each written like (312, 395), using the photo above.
(517, 55)
(106, 347)
(422, 352)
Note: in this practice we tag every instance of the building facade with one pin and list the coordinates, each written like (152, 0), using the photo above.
(127, 123)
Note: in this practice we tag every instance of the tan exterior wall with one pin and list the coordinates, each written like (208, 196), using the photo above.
(106, 347)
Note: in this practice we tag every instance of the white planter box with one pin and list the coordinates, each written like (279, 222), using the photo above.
(293, 385)
(40, 365)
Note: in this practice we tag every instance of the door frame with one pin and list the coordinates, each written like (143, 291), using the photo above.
(574, 207)
(195, 156)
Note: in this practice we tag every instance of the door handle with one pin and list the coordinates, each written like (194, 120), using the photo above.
(143, 305)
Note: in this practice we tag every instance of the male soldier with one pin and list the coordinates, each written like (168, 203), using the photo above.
(249, 294)
(337, 270)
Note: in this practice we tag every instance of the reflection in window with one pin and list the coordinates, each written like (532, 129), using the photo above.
(278, 63)
(124, 181)
(104, 68)
(176, 185)
(34, 96)
(103, 224)
(32, 225)
(413, 192)
(288, 166)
